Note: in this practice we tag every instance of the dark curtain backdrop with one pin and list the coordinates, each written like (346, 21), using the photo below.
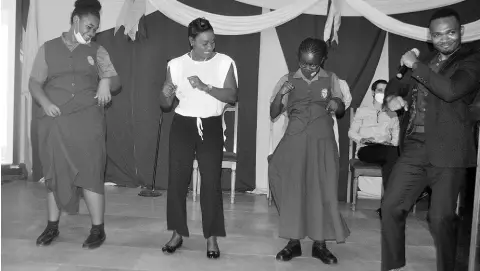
(355, 60)
(134, 116)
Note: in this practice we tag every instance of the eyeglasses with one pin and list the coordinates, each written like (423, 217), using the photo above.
(309, 66)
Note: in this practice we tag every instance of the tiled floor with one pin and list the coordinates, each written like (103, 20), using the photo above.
(136, 231)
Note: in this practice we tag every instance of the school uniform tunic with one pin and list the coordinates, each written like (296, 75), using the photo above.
(304, 168)
(72, 145)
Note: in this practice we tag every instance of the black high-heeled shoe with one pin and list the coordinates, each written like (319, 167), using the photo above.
(171, 249)
(213, 254)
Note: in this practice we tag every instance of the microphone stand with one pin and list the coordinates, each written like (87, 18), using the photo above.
(152, 192)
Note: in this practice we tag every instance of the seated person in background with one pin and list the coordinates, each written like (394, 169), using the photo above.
(375, 130)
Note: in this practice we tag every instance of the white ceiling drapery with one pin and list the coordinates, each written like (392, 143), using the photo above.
(384, 6)
(391, 25)
(233, 25)
(240, 25)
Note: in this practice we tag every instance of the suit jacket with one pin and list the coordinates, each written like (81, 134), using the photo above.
(449, 130)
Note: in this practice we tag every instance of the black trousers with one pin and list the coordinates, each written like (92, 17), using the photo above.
(410, 175)
(185, 143)
(384, 155)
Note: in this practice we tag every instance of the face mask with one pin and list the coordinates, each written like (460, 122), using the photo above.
(79, 37)
(379, 98)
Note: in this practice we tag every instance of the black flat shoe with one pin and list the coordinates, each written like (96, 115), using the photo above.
(291, 250)
(321, 252)
(95, 239)
(211, 254)
(171, 249)
(47, 237)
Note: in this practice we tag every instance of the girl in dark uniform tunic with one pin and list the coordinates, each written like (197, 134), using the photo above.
(303, 170)
(71, 80)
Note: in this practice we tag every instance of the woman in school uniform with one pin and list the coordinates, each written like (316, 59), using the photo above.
(303, 170)
(71, 80)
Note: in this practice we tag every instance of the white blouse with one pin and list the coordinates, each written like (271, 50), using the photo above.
(194, 102)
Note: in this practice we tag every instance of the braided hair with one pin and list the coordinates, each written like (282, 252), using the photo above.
(198, 26)
(316, 47)
(86, 7)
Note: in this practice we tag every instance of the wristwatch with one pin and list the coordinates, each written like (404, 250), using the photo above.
(209, 88)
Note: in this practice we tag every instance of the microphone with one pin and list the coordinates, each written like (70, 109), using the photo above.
(403, 69)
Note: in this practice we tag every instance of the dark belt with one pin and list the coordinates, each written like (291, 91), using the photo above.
(418, 129)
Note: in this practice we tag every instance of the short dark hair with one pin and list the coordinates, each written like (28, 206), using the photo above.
(86, 7)
(198, 26)
(317, 47)
(445, 13)
(380, 81)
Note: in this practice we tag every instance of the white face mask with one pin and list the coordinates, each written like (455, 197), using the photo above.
(78, 36)
(379, 98)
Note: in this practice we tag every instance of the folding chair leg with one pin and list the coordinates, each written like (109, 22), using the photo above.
(355, 193)
(349, 185)
(233, 176)
(269, 196)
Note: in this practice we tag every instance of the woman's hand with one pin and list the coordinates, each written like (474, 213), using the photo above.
(367, 140)
(332, 106)
(103, 93)
(51, 110)
(169, 89)
(197, 83)
(286, 88)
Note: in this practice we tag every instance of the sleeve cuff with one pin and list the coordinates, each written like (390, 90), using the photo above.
(421, 72)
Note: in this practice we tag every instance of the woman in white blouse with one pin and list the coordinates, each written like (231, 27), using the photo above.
(203, 81)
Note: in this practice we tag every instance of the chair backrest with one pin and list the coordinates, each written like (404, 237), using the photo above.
(230, 108)
(351, 144)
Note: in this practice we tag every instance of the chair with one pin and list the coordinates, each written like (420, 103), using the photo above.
(229, 158)
(356, 169)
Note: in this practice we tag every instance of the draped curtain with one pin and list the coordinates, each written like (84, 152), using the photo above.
(239, 25)
(240, 19)
(385, 6)
(133, 119)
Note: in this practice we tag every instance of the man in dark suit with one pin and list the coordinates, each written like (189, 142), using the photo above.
(436, 139)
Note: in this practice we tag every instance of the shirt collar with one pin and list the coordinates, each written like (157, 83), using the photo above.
(299, 75)
(72, 44)
(378, 107)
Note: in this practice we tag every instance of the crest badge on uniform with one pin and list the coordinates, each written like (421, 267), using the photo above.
(90, 60)
(324, 93)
